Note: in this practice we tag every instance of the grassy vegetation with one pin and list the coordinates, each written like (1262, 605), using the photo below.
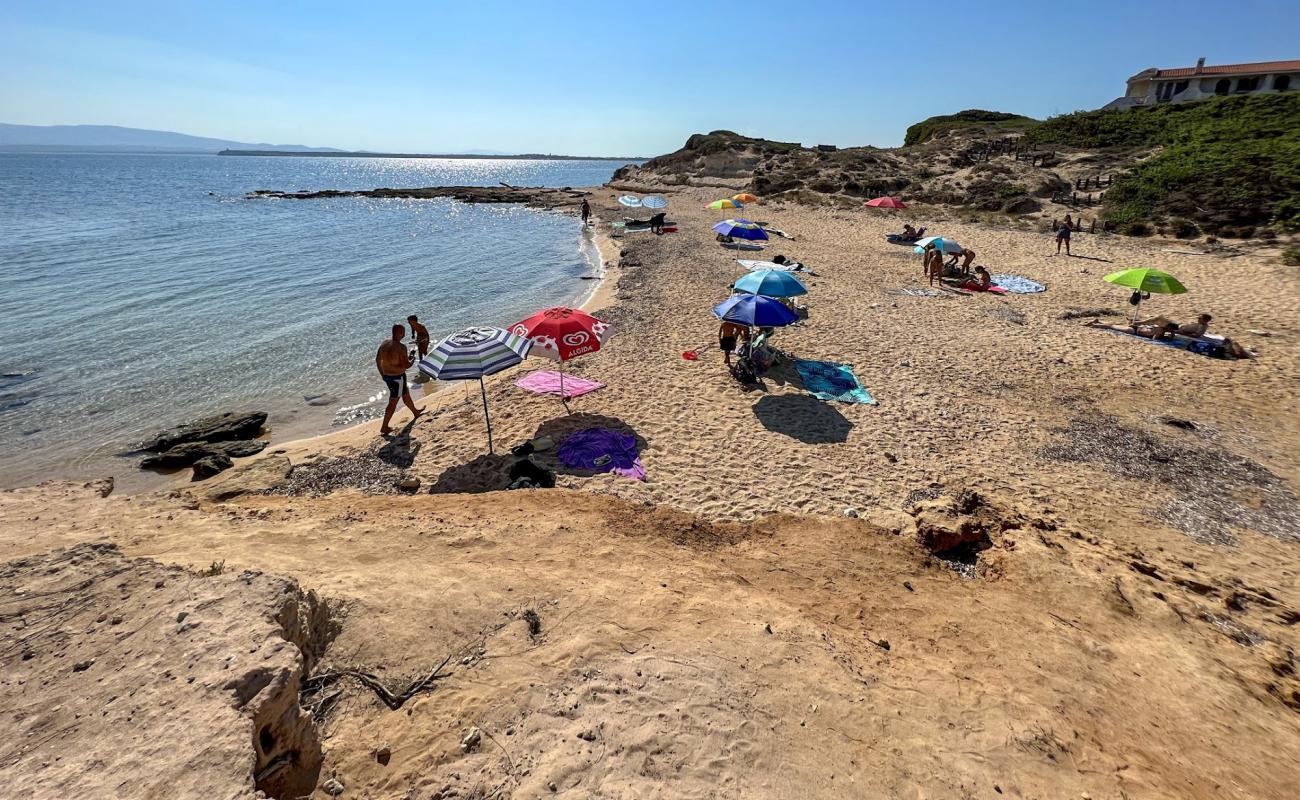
(928, 129)
(1228, 163)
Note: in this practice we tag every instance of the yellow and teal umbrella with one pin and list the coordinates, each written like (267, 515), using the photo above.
(718, 205)
(1148, 280)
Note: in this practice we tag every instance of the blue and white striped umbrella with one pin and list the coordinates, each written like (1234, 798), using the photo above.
(473, 353)
(654, 201)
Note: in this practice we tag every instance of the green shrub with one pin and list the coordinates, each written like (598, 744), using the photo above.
(1291, 256)
(1185, 229)
(1137, 229)
(927, 129)
(1233, 158)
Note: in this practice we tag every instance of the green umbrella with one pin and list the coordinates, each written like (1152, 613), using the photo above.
(1147, 280)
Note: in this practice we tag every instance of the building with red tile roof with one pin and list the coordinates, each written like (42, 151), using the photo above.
(1181, 84)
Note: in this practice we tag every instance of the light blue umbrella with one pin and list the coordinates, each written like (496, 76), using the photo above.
(941, 244)
(770, 283)
(630, 200)
(654, 201)
(475, 353)
(755, 310)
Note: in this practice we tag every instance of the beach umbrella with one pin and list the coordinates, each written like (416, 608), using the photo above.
(630, 200)
(744, 197)
(770, 283)
(755, 310)
(654, 201)
(741, 229)
(941, 244)
(475, 353)
(562, 333)
(886, 202)
(1147, 280)
(718, 205)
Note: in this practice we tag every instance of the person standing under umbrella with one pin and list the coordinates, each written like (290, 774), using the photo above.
(393, 361)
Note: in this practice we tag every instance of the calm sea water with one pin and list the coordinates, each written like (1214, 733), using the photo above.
(141, 291)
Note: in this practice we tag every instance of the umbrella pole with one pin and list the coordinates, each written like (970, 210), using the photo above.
(483, 387)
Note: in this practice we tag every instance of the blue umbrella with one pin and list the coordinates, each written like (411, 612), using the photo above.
(630, 200)
(770, 283)
(474, 353)
(740, 229)
(755, 310)
(654, 201)
(941, 244)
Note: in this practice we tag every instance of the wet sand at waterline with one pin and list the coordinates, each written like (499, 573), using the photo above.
(723, 629)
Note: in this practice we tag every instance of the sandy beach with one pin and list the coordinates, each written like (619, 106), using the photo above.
(757, 618)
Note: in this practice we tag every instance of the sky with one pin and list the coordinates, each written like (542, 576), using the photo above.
(594, 78)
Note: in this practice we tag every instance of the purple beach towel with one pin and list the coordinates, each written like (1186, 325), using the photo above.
(583, 448)
(547, 381)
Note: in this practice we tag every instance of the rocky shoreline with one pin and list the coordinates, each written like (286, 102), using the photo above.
(535, 196)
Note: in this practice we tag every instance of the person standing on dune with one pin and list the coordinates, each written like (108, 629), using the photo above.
(393, 361)
(421, 335)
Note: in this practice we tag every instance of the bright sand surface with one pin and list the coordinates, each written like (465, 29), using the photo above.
(722, 630)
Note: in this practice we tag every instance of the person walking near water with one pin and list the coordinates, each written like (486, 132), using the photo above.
(421, 335)
(585, 211)
(393, 361)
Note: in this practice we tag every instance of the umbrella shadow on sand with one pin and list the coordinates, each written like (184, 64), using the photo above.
(782, 373)
(560, 428)
(802, 417)
(486, 473)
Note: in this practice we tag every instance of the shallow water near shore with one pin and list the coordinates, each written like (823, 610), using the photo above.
(141, 291)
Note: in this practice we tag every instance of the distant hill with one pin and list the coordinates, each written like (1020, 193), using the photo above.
(112, 138)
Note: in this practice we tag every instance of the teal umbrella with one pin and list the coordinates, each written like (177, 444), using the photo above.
(771, 283)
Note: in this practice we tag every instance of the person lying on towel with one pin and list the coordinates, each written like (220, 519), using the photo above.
(1163, 327)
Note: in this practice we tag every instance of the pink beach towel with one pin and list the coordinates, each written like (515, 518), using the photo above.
(548, 382)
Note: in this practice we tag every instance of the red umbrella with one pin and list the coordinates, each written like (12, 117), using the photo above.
(886, 202)
(562, 333)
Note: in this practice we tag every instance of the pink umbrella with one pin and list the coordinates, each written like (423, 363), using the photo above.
(886, 202)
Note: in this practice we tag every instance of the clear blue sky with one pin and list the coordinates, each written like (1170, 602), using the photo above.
(601, 78)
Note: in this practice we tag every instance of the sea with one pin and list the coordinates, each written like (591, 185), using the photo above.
(143, 291)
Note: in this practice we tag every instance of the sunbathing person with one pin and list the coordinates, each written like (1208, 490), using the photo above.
(1163, 327)
(909, 232)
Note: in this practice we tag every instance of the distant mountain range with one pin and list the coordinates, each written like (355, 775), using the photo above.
(112, 138)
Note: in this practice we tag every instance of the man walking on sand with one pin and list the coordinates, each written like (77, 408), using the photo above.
(393, 361)
(421, 335)
(585, 211)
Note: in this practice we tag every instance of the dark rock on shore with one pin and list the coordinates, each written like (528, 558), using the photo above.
(220, 428)
(187, 453)
(208, 466)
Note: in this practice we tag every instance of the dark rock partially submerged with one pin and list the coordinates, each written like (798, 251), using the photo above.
(187, 454)
(220, 428)
(533, 196)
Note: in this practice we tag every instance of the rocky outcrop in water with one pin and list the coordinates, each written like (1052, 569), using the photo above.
(529, 195)
(207, 444)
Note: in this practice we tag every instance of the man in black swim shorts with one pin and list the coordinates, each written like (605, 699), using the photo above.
(393, 361)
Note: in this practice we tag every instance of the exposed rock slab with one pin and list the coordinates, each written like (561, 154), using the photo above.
(126, 678)
(259, 476)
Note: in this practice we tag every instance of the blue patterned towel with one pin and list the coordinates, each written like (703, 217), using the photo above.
(1018, 285)
(830, 381)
